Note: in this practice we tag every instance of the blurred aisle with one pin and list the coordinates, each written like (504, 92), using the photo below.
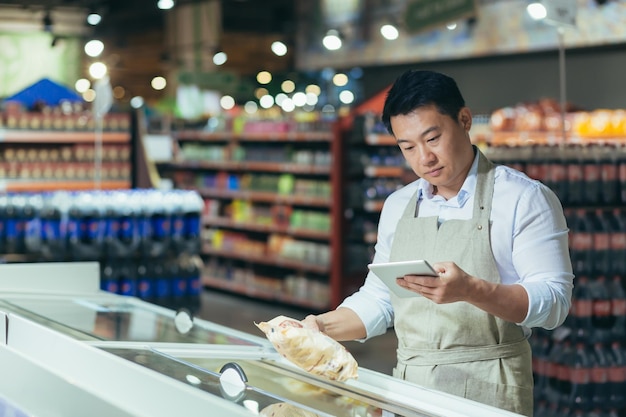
(237, 312)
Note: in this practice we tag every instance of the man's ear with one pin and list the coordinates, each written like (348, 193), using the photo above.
(465, 118)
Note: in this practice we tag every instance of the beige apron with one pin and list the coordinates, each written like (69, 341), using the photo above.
(458, 348)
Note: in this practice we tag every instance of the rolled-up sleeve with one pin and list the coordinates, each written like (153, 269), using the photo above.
(541, 257)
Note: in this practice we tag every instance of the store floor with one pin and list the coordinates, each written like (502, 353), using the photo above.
(238, 312)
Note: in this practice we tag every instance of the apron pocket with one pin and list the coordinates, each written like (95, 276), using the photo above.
(507, 397)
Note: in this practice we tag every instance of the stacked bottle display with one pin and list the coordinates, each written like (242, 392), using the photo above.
(580, 367)
(147, 241)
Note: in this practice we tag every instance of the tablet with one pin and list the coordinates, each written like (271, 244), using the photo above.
(389, 271)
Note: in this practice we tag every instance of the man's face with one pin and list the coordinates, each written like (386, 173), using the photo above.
(436, 147)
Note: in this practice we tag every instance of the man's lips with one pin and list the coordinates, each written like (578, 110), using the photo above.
(434, 172)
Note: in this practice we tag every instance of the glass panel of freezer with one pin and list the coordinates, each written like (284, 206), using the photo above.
(268, 387)
(118, 319)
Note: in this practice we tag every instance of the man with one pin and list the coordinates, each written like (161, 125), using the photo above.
(497, 239)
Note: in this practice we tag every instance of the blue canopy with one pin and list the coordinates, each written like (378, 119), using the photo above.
(45, 91)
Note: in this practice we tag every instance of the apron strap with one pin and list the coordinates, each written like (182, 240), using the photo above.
(431, 357)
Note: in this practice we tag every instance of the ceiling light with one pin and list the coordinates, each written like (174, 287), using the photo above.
(97, 70)
(279, 48)
(389, 32)
(227, 102)
(288, 86)
(220, 58)
(332, 41)
(264, 77)
(266, 101)
(346, 96)
(136, 102)
(537, 11)
(94, 48)
(299, 99)
(82, 85)
(93, 18)
(158, 83)
(165, 4)
(251, 107)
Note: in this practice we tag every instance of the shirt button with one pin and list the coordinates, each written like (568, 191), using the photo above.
(480, 227)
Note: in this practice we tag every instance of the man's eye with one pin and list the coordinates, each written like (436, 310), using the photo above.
(407, 148)
(432, 139)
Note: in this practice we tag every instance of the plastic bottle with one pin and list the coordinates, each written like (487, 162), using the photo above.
(609, 176)
(85, 228)
(575, 176)
(601, 264)
(617, 231)
(582, 310)
(127, 279)
(109, 278)
(618, 308)
(602, 320)
(53, 217)
(580, 378)
(617, 376)
(600, 376)
(581, 242)
(145, 283)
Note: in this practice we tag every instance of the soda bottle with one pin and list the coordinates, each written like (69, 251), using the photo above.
(582, 309)
(601, 242)
(592, 180)
(617, 376)
(556, 174)
(575, 178)
(618, 308)
(621, 167)
(145, 283)
(581, 243)
(609, 176)
(617, 233)
(109, 278)
(599, 376)
(602, 319)
(541, 349)
(127, 279)
(580, 393)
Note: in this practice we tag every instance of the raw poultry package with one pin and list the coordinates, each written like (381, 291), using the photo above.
(311, 350)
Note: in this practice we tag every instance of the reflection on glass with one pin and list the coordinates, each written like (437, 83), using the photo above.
(117, 320)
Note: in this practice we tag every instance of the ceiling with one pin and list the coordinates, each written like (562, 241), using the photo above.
(257, 16)
(134, 32)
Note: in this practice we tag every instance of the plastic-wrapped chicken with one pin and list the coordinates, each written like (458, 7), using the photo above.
(311, 350)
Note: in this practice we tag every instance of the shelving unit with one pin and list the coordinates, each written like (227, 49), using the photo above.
(38, 160)
(271, 227)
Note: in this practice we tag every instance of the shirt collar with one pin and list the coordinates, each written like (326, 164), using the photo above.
(425, 189)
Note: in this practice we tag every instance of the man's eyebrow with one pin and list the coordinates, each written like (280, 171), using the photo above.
(424, 133)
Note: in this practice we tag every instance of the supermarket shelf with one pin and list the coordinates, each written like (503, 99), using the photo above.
(373, 206)
(196, 135)
(35, 136)
(255, 227)
(380, 139)
(522, 138)
(383, 171)
(261, 293)
(282, 167)
(39, 186)
(266, 197)
(266, 259)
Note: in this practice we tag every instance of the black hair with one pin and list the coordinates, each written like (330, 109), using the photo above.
(416, 88)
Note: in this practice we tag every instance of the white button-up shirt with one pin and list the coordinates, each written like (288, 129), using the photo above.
(529, 240)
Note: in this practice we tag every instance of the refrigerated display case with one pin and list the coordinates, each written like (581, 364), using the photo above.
(145, 360)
